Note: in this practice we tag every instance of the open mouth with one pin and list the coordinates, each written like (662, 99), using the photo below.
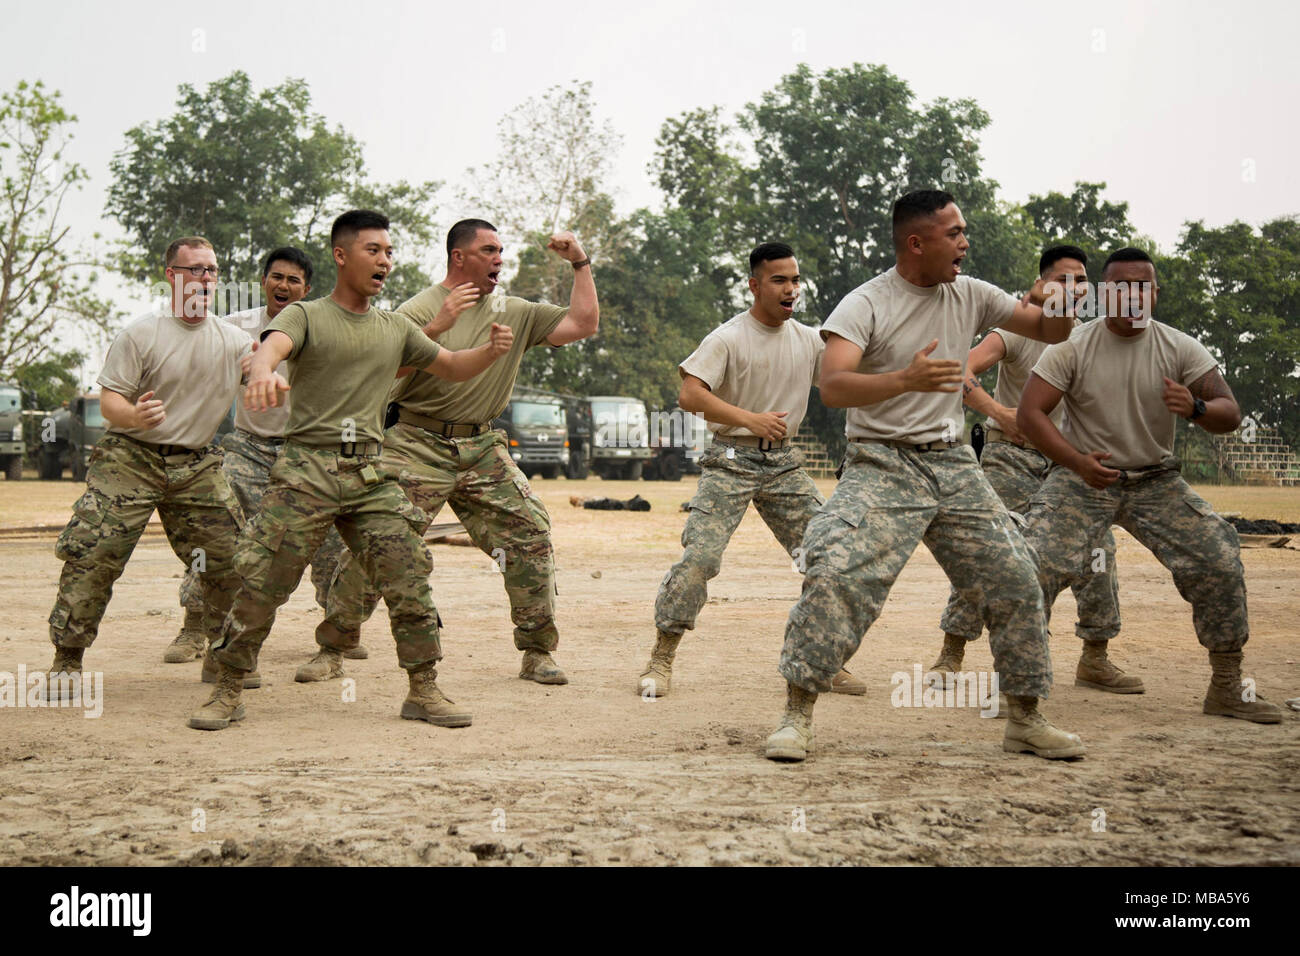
(787, 305)
(378, 277)
(281, 298)
(494, 277)
(956, 263)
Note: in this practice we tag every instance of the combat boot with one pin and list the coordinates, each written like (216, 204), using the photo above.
(67, 662)
(427, 702)
(358, 653)
(1095, 670)
(656, 680)
(1225, 696)
(1029, 732)
(793, 739)
(950, 658)
(326, 665)
(541, 667)
(189, 643)
(224, 706)
(211, 667)
(846, 683)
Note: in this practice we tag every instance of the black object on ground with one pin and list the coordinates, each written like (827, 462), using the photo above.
(635, 503)
(1263, 526)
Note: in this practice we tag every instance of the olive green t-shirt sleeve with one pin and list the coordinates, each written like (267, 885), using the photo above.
(541, 321)
(123, 368)
(418, 350)
(292, 321)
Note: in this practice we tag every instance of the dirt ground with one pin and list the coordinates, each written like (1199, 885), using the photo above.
(592, 774)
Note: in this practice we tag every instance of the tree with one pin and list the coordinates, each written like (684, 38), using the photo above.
(1237, 291)
(250, 171)
(50, 382)
(45, 285)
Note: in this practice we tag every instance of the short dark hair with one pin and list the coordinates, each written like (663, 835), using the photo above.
(1128, 254)
(292, 255)
(917, 205)
(1054, 254)
(768, 252)
(464, 232)
(353, 221)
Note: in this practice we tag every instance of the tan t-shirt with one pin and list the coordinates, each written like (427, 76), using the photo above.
(342, 366)
(483, 397)
(759, 368)
(270, 423)
(193, 369)
(891, 320)
(1114, 388)
(1013, 372)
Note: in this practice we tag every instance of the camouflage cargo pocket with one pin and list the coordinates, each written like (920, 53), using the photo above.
(256, 550)
(84, 530)
(1199, 505)
(533, 507)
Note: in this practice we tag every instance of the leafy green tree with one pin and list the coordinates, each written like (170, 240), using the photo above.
(48, 383)
(1237, 291)
(251, 170)
(1097, 226)
(46, 286)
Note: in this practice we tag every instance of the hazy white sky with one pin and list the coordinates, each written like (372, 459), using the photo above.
(1185, 109)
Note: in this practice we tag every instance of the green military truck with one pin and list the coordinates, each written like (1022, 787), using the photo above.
(11, 431)
(77, 427)
(537, 433)
(620, 436)
(677, 440)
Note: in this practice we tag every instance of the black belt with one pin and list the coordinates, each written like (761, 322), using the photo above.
(753, 441)
(928, 446)
(438, 426)
(168, 451)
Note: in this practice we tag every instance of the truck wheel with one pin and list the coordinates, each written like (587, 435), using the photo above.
(632, 471)
(577, 469)
(14, 468)
(551, 471)
(51, 469)
(670, 468)
(650, 471)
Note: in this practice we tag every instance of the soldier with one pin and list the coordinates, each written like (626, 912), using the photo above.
(249, 452)
(446, 450)
(1016, 469)
(757, 360)
(1123, 378)
(167, 382)
(342, 354)
(907, 478)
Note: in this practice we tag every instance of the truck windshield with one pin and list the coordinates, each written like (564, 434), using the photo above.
(9, 399)
(93, 417)
(621, 424)
(536, 414)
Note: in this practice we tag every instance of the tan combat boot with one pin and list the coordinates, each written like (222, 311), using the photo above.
(326, 665)
(224, 706)
(1225, 698)
(1029, 732)
(793, 740)
(950, 658)
(846, 683)
(427, 702)
(67, 662)
(656, 680)
(211, 668)
(189, 643)
(1095, 670)
(541, 667)
(358, 653)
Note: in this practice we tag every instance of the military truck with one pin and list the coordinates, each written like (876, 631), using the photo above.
(77, 427)
(537, 432)
(677, 440)
(11, 431)
(620, 436)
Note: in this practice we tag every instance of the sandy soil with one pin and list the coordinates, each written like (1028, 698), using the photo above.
(592, 774)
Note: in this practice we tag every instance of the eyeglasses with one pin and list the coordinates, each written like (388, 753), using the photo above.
(198, 271)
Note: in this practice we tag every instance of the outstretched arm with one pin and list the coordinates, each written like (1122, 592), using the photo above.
(1032, 322)
(458, 366)
(264, 385)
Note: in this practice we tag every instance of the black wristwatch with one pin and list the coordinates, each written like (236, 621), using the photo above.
(1198, 409)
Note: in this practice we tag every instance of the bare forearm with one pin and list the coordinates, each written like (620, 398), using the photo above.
(1046, 437)
(1222, 415)
(459, 366)
(584, 308)
(855, 389)
(117, 411)
(974, 397)
(704, 402)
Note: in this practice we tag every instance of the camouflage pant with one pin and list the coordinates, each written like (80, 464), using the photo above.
(1067, 520)
(890, 499)
(781, 490)
(311, 490)
(1016, 473)
(247, 465)
(503, 517)
(126, 482)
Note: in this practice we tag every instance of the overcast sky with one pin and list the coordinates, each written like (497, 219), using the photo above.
(1185, 109)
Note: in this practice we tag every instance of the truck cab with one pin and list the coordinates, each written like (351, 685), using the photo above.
(12, 447)
(537, 433)
(620, 439)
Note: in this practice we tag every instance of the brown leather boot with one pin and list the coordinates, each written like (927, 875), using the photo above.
(65, 669)
(656, 680)
(224, 706)
(793, 739)
(326, 665)
(846, 683)
(541, 667)
(1096, 670)
(427, 702)
(950, 658)
(1227, 697)
(252, 679)
(190, 642)
(1029, 732)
